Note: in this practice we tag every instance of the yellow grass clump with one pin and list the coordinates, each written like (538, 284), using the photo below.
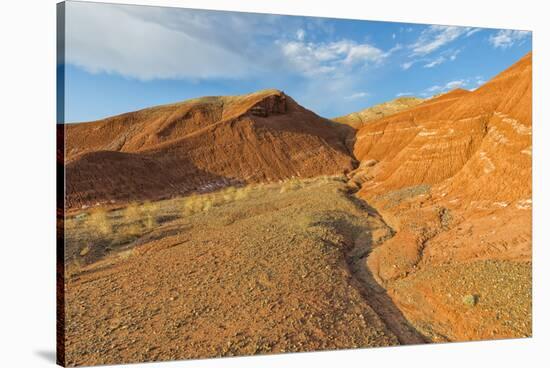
(144, 214)
(149, 209)
(205, 202)
(132, 212)
(131, 231)
(229, 194)
(138, 219)
(290, 185)
(99, 220)
(191, 205)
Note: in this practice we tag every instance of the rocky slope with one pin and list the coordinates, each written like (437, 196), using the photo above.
(452, 176)
(200, 145)
(269, 270)
(357, 119)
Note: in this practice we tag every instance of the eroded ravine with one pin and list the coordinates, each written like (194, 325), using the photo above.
(376, 295)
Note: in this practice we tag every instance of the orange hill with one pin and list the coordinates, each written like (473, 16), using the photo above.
(358, 119)
(480, 138)
(452, 176)
(200, 145)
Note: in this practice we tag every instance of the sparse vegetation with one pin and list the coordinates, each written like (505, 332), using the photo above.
(205, 202)
(114, 229)
(191, 205)
(149, 210)
(132, 212)
(99, 220)
(129, 232)
(290, 185)
(243, 193)
(245, 240)
(137, 220)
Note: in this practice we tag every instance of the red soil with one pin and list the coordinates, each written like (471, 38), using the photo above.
(200, 145)
(453, 177)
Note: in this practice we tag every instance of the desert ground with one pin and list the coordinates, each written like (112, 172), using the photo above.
(242, 225)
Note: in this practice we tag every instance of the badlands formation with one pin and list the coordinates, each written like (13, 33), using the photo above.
(200, 145)
(452, 176)
(240, 225)
(358, 119)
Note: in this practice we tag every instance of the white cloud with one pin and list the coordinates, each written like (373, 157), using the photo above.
(406, 65)
(447, 86)
(476, 82)
(472, 31)
(148, 43)
(163, 43)
(506, 38)
(357, 95)
(401, 94)
(435, 62)
(363, 53)
(434, 37)
(455, 84)
(471, 84)
(448, 55)
(393, 36)
(311, 58)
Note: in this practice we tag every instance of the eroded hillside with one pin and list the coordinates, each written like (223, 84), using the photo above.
(199, 146)
(357, 119)
(453, 177)
(197, 244)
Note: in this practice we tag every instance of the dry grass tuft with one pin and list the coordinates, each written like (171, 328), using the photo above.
(229, 194)
(243, 193)
(291, 185)
(144, 214)
(99, 221)
(131, 231)
(148, 210)
(191, 205)
(132, 212)
(205, 202)
(207, 205)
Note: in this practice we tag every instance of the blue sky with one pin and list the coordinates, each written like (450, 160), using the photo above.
(121, 58)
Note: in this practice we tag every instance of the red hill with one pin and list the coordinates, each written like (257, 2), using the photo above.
(200, 145)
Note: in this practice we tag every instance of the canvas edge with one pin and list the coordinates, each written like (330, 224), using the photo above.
(60, 185)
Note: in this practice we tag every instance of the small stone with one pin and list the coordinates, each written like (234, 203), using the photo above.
(470, 300)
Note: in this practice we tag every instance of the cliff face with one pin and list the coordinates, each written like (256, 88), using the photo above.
(200, 145)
